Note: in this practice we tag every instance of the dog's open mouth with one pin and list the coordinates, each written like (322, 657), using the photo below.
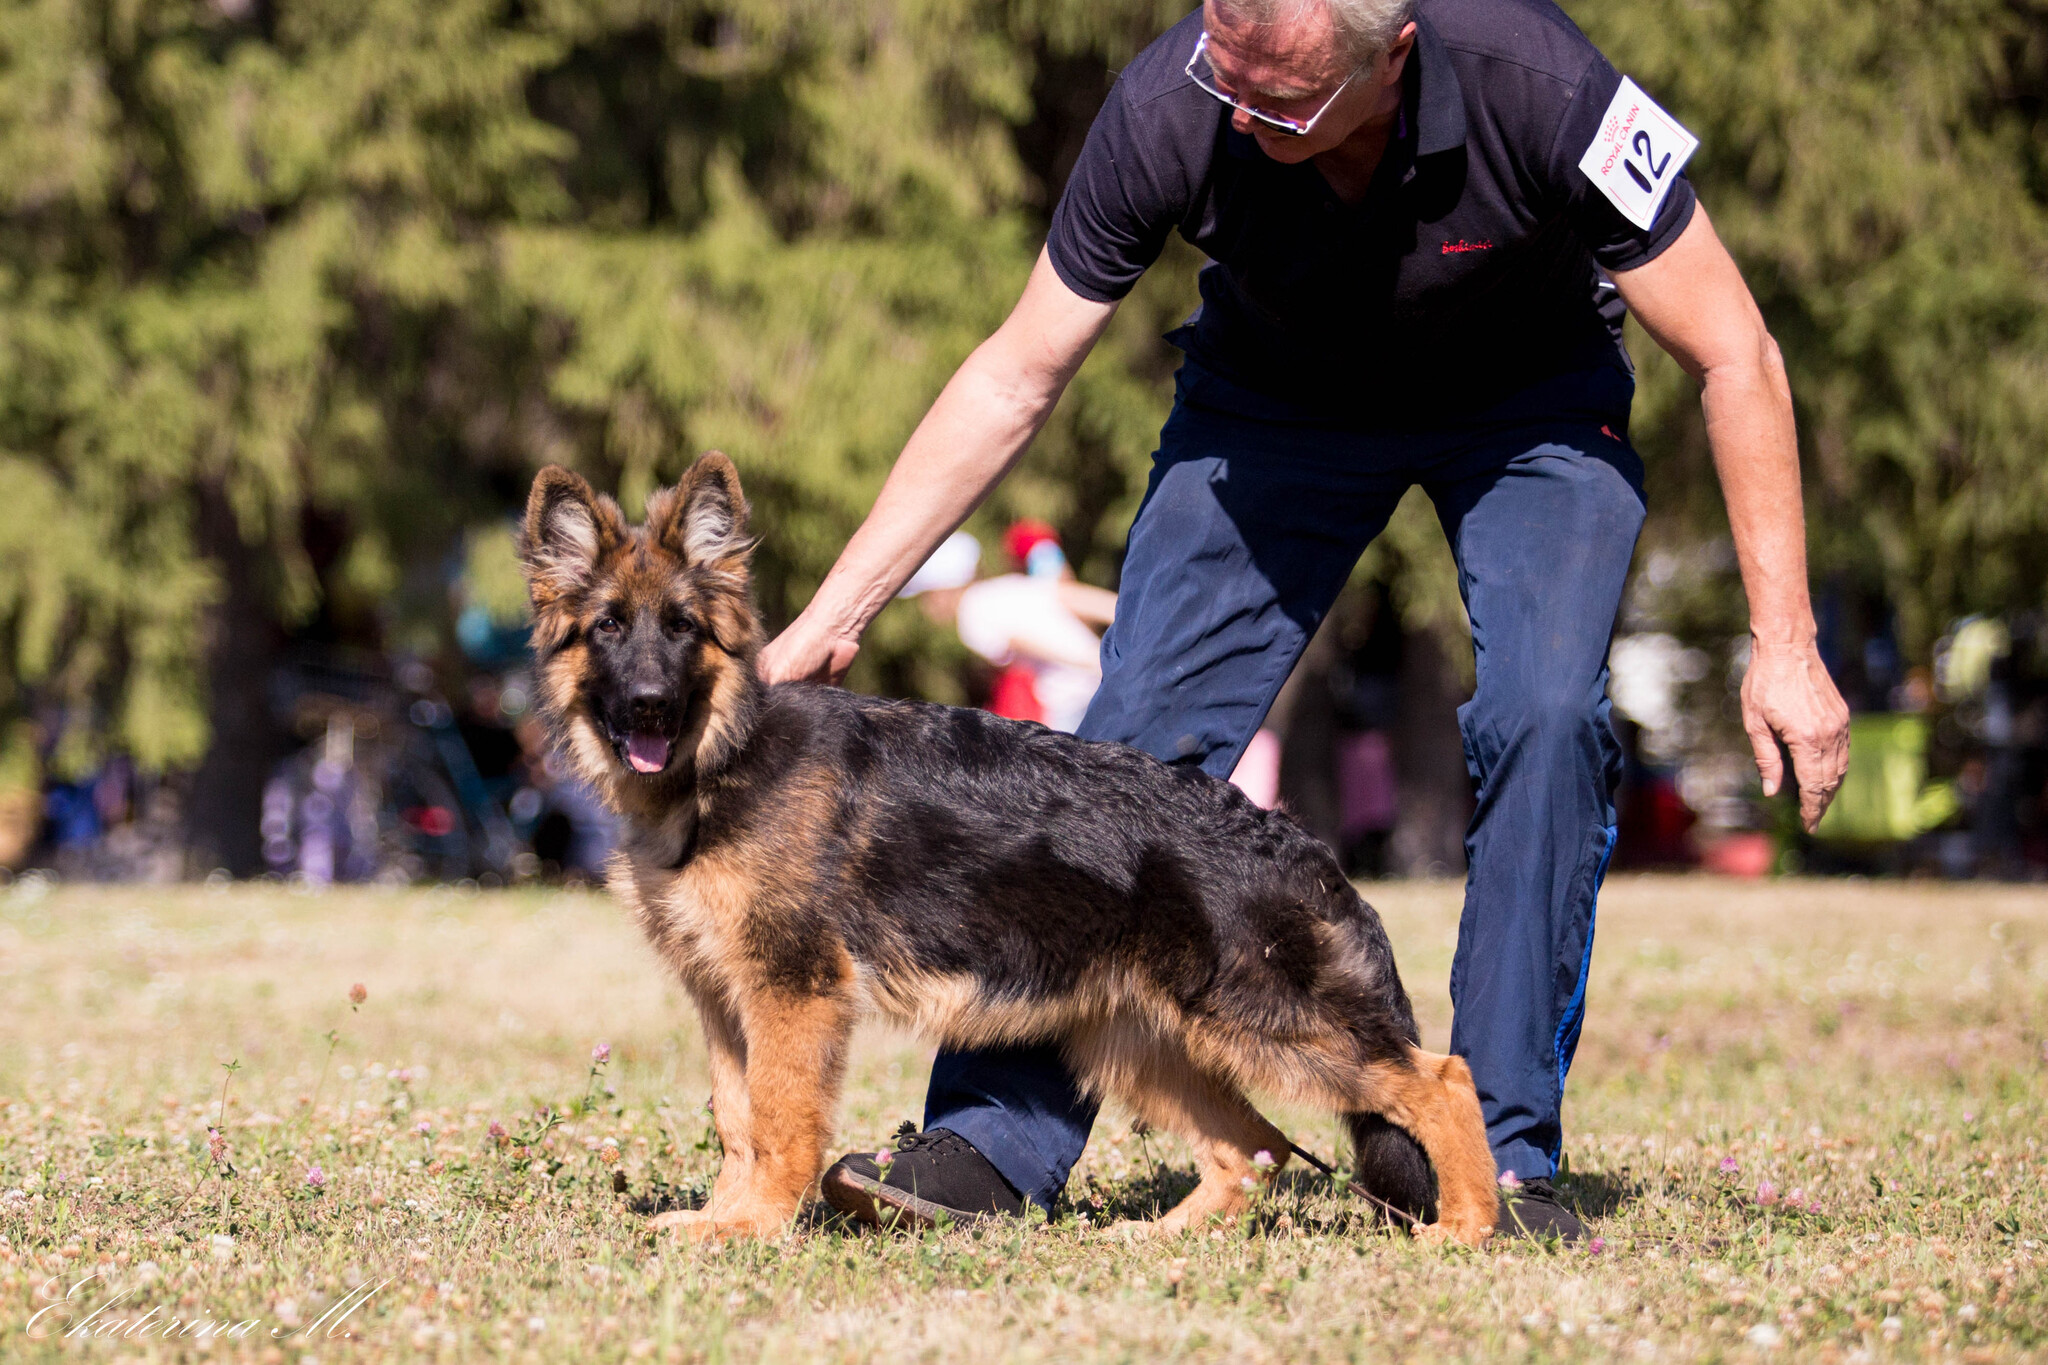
(644, 751)
(647, 751)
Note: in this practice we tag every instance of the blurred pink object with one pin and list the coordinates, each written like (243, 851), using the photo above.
(1748, 854)
(1258, 772)
(1365, 784)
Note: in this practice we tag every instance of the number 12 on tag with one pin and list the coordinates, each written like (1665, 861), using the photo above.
(1637, 154)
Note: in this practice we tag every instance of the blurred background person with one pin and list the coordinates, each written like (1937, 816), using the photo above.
(1038, 627)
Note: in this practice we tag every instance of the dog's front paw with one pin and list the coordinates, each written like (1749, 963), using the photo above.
(1464, 1232)
(707, 1230)
(700, 1227)
(676, 1219)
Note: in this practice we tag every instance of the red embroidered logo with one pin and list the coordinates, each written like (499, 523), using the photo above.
(1461, 246)
(1609, 434)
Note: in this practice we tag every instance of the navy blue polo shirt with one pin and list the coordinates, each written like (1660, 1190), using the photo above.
(1470, 269)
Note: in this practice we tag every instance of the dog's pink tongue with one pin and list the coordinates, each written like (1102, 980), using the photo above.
(647, 751)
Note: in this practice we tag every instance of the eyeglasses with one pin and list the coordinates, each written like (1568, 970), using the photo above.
(1203, 74)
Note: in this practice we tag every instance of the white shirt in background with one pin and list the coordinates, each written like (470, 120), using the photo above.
(1014, 619)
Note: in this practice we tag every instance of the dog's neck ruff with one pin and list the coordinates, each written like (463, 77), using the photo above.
(729, 720)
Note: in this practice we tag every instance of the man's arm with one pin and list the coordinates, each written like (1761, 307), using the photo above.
(1692, 300)
(1096, 606)
(980, 425)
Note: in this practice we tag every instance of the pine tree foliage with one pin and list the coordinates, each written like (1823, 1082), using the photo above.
(1877, 167)
(244, 263)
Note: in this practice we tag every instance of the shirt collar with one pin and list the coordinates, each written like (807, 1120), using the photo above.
(1439, 99)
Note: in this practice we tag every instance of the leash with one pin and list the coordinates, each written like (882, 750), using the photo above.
(1363, 1193)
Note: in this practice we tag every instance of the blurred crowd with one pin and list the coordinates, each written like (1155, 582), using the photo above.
(1948, 772)
(407, 770)
(1039, 630)
(400, 779)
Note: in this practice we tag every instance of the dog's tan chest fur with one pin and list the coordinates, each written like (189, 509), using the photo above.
(694, 916)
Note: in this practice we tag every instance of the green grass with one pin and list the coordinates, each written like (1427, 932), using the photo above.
(1878, 1048)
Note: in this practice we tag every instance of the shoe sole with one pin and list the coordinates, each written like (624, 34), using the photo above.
(885, 1206)
(1512, 1226)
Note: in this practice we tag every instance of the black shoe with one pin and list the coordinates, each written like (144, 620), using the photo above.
(929, 1177)
(1533, 1210)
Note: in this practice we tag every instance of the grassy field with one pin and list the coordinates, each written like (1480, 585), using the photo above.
(1809, 1120)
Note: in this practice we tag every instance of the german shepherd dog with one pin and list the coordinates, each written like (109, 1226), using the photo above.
(801, 855)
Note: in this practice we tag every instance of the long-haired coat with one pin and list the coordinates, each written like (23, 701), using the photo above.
(802, 855)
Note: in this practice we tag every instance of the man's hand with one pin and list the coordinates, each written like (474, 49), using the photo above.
(1787, 694)
(808, 652)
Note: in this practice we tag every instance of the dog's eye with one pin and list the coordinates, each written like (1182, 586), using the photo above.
(680, 625)
(606, 625)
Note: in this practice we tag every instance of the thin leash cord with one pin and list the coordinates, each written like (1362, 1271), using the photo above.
(1363, 1193)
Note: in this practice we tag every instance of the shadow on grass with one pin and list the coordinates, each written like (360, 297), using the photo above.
(662, 1197)
(1296, 1200)
(1601, 1194)
(1144, 1194)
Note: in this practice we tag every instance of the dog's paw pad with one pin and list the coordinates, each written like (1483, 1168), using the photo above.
(1450, 1234)
(675, 1219)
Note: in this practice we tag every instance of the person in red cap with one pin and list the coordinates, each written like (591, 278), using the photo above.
(1015, 693)
(1038, 627)
(1029, 537)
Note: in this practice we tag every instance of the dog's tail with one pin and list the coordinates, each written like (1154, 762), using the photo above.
(1392, 1169)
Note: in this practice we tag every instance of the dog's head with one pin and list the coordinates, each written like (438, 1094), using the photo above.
(645, 636)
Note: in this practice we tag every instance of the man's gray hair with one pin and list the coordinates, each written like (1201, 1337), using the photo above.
(1367, 28)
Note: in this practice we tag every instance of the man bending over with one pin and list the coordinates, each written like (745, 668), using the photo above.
(1424, 222)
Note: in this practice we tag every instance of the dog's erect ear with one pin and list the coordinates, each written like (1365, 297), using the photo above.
(704, 518)
(568, 529)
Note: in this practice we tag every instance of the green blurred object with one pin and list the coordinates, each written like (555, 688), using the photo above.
(295, 297)
(1886, 796)
(491, 576)
(1975, 645)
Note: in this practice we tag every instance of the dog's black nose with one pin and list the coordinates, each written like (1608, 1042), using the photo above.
(647, 703)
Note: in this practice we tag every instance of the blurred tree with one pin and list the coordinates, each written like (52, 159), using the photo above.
(251, 347)
(1879, 168)
(295, 294)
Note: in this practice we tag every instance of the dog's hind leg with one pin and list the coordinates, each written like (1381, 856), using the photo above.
(1432, 1097)
(1168, 1090)
(795, 1056)
(727, 1049)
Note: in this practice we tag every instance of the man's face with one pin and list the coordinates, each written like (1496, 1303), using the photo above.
(1290, 69)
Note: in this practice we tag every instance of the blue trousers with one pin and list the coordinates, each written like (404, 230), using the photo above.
(1254, 516)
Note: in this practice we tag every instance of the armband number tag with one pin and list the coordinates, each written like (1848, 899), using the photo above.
(1637, 154)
